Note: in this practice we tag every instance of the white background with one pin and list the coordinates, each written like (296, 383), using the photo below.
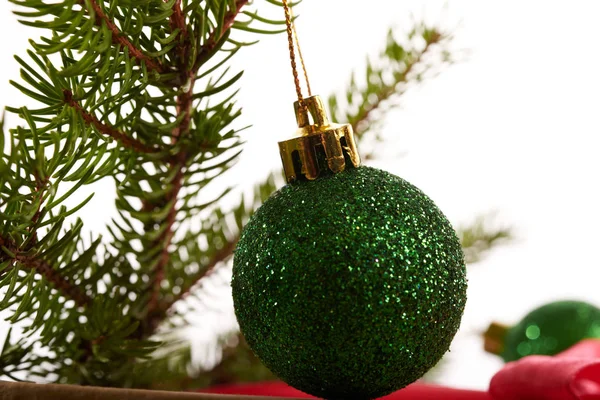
(514, 128)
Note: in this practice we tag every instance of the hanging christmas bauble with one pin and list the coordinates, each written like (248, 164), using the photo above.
(547, 330)
(349, 282)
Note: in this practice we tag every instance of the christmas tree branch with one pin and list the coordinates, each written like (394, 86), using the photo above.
(215, 36)
(155, 311)
(15, 254)
(131, 73)
(60, 282)
(221, 256)
(240, 214)
(400, 64)
(480, 236)
(107, 130)
(388, 91)
(119, 38)
(40, 187)
(177, 21)
(165, 241)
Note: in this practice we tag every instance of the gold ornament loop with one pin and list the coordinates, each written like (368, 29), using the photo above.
(300, 53)
(289, 27)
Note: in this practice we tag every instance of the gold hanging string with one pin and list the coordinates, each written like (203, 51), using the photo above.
(291, 33)
(300, 53)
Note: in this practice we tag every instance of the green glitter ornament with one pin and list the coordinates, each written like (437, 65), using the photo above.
(351, 285)
(547, 330)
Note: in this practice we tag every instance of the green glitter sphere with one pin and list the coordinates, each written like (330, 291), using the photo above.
(551, 329)
(350, 286)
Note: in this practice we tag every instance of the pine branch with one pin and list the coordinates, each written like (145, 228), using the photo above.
(60, 282)
(387, 92)
(216, 36)
(105, 129)
(155, 311)
(119, 38)
(177, 21)
(165, 241)
(221, 256)
(480, 236)
(164, 310)
(399, 65)
(40, 187)
(15, 255)
(52, 275)
(132, 73)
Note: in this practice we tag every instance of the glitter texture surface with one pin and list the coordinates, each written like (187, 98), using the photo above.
(350, 286)
(552, 328)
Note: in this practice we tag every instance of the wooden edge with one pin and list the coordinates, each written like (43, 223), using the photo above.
(32, 391)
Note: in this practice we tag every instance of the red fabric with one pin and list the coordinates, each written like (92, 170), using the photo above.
(571, 375)
(416, 391)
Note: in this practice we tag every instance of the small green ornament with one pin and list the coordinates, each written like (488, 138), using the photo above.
(350, 286)
(547, 330)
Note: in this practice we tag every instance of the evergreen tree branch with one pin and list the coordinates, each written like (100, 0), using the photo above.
(40, 187)
(119, 38)
(60, 282)
(95, 76)
(177, 21)
(420, 54)
(165, 241)
(15, 254)
(480, 236)
(240, 214)
(221, 256)
(215, 36)
(387, 92)
(155, 311)
(105, 129)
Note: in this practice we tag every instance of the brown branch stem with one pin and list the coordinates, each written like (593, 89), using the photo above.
(119, 38)
(221, 255)
(184, 105)
(156, 311)
(105, 129)
(163, 310)
(40, 188)
(165, 240)
(215, 36)
(390, 90)
(177, 21)
(42, 267)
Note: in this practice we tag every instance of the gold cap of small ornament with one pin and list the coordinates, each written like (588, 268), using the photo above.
(321, 146)
(493, 338)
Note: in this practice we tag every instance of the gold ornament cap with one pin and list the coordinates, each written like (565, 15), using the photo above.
(322, 147)
(493, 338)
